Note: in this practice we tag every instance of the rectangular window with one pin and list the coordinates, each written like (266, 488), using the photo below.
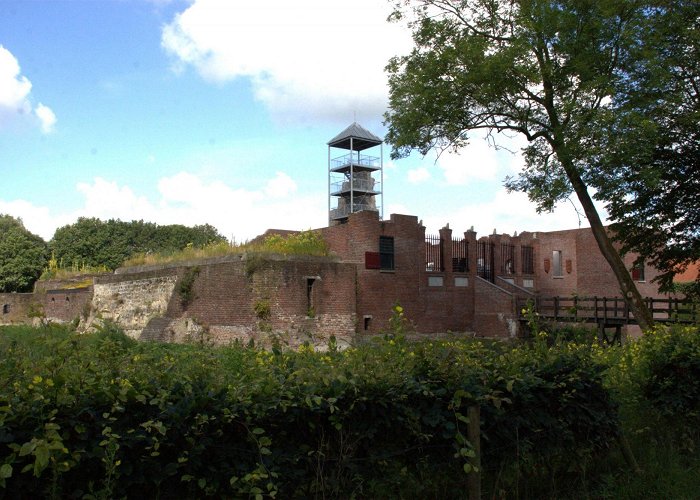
(6, 309)
(460, 250)
(386, 253)
(527, 259)
(507, 258)
(557, 270)
(638, 270)
(433, 253)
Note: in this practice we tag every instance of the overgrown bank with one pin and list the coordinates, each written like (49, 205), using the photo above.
(104, 416)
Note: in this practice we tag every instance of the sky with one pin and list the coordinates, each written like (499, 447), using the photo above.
(219, 112)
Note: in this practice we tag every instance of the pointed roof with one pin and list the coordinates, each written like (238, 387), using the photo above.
(361, 138)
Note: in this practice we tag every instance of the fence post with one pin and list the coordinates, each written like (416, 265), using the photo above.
(474, 437)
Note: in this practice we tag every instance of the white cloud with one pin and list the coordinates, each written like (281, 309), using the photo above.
(418, 175)
(306, 59)
(186, 199)
(36, 219)
(46, 117)
(15, 88)
(480, 160)
(508, 213)
(279, 187)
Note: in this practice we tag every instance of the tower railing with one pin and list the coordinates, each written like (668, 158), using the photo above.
(342, 212)
(366, 185)
(356, 160)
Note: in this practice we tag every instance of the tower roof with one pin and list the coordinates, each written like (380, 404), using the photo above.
(361, 138)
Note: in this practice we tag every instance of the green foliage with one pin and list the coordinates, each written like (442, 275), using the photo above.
(185, 287)
(302, 243)
(56, 269)
(91, 243)
(23, 255)
(650, 160)
(399, 324)
(262, 309)
(386, 419)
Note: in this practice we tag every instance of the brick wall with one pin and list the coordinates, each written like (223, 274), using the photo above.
(56, 305)
(589, 273)
(494, 313)
(432, 309)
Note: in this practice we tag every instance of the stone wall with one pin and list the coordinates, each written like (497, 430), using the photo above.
(132, 300)
(15, 308)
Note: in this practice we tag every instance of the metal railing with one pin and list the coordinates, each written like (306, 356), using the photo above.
(368, 185)
(356, 160)
(342, 212)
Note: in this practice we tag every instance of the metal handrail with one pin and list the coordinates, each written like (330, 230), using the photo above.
(356, 159)
(339, 213)
(357, 184)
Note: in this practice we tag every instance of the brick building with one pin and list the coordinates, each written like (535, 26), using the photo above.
(445, 282)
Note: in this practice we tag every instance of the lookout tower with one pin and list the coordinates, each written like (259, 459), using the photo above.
(355, 174)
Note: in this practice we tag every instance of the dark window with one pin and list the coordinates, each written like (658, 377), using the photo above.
(638, 270)
(484, 260)
(507, 258)
(527, 259)
(310, 296)
(6, 308)
(460, 251)
(386, 253)
(433, 253)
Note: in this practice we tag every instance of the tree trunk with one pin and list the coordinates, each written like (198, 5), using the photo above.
(629, 290)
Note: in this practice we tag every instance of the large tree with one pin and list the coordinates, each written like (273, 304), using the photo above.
(651, 160)
(23, 256)
(93, 242)
(547, 70)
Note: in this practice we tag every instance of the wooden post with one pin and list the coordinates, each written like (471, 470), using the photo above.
(474, 437)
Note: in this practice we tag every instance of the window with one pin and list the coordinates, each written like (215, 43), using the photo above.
(6, 308)
(386, 253)
(638, 270)
(433, 253)
(507, 258)
(527, 259)
(557, 270)
(460, 250)
(310, 297)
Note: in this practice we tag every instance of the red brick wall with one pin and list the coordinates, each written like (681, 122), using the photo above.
(431, 308)
(64, 306)
(547, 283)
(227, 293)
(590, 272)
(493, 311)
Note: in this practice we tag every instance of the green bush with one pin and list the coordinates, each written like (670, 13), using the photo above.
(106, 416)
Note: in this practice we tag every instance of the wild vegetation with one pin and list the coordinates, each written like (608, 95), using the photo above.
(94, 243)
(22, 256)
(102, 416)
(301, 243)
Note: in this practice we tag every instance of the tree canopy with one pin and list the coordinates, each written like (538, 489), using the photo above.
(23, 256)
(92, 242)
(553, 72)
(651, 174)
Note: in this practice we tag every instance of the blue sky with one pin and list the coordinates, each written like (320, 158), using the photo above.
(217, 111)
